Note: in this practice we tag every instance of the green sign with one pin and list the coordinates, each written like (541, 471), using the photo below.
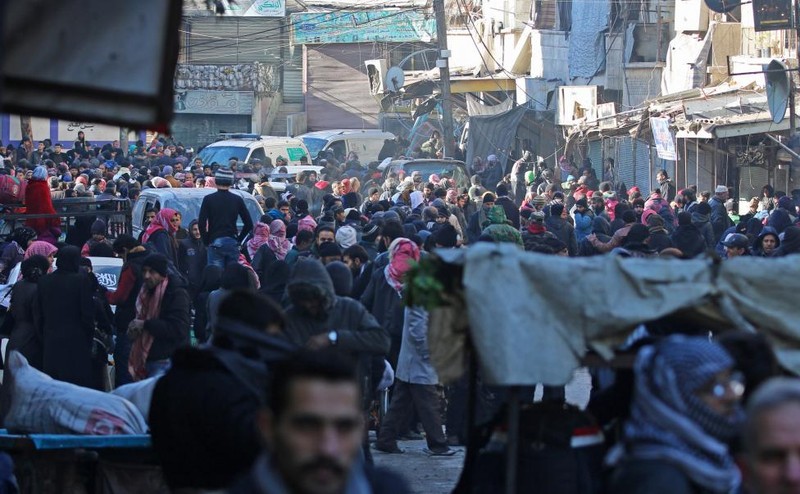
(363, 26)
(295, 153)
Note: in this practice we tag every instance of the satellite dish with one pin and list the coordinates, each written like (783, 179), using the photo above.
(395, 78)
(722, 6)
(778, 88)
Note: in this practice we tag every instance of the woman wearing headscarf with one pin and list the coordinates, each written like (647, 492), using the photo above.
(261, 232)
(26, 311)
(277, 239)
(685, 409)
(160, 234)
(38, 200)
(383, 297)
(44, 249)
(67, 321)
(14, 251)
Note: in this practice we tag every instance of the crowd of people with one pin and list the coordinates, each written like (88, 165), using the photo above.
(330, 279)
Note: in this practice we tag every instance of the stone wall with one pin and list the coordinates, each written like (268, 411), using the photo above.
(262, 79)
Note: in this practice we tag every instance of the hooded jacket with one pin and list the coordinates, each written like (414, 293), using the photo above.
(758, 249)
(703, 224)
(358, 331)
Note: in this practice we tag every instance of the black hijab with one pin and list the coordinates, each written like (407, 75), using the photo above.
(68, 259)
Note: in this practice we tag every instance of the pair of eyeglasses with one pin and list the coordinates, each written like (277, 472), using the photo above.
(736, 384)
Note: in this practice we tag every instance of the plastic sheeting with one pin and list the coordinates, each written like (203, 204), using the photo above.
(476, 108)
(587, 44)
(687, 58)
(493, 134)
(533, 317)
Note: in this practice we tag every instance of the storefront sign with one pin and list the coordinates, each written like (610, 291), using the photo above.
(214, 102)
(663, 138)
(364, 26)
(751, 156)
(257, 8)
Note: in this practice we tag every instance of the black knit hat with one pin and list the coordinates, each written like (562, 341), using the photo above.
(156, 262)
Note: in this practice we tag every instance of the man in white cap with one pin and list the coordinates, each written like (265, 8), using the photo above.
(719, 215)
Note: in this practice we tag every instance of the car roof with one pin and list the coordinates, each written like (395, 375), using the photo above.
(384, 166)
(249, 143)
(181, 192)
(327, 134)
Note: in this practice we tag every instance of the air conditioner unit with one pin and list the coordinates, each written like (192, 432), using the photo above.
(376, 71)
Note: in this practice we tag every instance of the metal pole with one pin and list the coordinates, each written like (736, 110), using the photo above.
(444, 75)
(512, 445)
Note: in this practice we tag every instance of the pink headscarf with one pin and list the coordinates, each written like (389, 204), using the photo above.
(160, 183)
(307, 223)
(260, 237)
(160, 222)
(452, 196)
(211, 183)
(401, 254)
(40, 248)
(277, 239)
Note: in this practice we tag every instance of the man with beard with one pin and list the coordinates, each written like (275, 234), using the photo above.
(357, 260)
(314, 429)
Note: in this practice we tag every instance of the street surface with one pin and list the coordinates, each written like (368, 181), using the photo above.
(438, 475)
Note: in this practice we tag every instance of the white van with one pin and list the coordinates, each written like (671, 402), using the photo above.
(247, 147)
(366, 143)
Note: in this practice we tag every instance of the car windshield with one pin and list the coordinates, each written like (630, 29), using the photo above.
(221, 154)
(314, 145)
(443, 170)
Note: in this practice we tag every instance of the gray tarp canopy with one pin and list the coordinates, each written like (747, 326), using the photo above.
(532, 317)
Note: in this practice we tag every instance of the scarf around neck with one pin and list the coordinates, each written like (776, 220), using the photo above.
(666, 426)
(148, 306)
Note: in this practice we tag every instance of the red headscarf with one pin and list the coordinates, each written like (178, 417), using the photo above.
(260, 237)
(162, 221)
(401, 254)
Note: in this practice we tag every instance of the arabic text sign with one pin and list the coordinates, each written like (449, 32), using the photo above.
(214, 102)
(355, 27)
(663, 138)
(257, 8)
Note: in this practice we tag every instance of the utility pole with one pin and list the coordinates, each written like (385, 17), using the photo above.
(444, 77)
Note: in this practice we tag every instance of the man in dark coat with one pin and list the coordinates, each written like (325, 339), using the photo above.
(192, 257)
(68, 321)
(317, 318)
(203, 411)
(170, 328)
(511, 209)
(687, 237)
(561, 228)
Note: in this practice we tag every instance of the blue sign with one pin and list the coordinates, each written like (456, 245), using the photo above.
(363, 26)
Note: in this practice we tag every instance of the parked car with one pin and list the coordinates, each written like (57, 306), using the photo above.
(247, 147)
(185, 201)
(366, 143)
(451, 169)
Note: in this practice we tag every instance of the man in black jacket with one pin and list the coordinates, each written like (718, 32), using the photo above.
(203, 411)
(217, 221)
(511, 209)
(170, 327)
(192, 257)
